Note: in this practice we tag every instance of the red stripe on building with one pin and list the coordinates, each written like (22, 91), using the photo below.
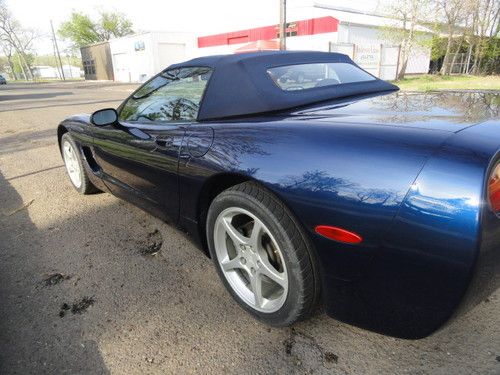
(304, 27)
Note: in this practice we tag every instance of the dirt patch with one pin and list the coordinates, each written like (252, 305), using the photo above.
(153, 244)
(64, 307)
(78, 307)
(306, 353)
(331, 357)
(288, 344)
(55, 278)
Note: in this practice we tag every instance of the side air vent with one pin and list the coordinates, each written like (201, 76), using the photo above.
(90, 159)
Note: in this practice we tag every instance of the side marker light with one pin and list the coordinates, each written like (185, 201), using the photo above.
(338, 234)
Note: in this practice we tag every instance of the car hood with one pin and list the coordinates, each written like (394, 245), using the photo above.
(448, 111)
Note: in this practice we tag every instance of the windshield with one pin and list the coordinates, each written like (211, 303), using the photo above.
(308, 76)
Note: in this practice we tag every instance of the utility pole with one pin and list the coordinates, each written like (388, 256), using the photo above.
(282, 25)
(55, 58)
(57, 50)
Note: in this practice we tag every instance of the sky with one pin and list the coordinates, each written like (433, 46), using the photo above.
(203, 17)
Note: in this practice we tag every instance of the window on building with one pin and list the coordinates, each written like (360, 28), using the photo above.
(89, 67)
(173, 95)
(287, 33)
(308, 76)
(290, 30)
(139, 45)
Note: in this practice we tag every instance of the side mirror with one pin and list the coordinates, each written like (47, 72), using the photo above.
(103, 117)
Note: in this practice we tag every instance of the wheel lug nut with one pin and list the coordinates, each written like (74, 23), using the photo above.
(252, 270)
(243, 260)
(258, 263)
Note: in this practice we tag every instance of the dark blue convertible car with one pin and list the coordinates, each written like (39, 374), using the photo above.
(334, 188)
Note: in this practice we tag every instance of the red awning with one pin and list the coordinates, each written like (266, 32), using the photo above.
(259, 45)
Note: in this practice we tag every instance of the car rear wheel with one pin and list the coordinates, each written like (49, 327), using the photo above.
(74, 166)
(262, 255)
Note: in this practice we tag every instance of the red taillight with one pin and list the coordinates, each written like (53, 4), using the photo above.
(338, 234)
(494, 189)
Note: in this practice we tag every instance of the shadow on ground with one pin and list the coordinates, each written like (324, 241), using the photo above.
(46, 95)
(32, 339)
(70, 104)
(27, 140)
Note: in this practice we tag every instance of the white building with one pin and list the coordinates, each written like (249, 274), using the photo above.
(71, 71)
(138, 57)
(321, 27)
(48, 72)
(44, 71)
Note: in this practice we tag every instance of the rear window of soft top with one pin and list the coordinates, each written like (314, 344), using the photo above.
(308, 76)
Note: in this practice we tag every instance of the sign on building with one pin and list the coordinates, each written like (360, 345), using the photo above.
(377, 59)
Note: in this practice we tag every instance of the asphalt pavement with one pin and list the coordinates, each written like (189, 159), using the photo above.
(93, 285)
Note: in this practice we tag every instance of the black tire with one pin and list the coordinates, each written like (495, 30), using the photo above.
(86, 186)
(303, 279)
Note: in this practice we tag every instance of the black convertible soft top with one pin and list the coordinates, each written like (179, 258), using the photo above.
(240, 84)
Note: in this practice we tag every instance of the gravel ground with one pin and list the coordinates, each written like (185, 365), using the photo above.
(93, 285)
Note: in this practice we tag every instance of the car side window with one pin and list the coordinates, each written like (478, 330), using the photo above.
(173, 95)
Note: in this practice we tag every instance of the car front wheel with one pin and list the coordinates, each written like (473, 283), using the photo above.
(74, 166)
(262, 255)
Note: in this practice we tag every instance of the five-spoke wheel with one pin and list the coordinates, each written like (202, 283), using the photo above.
(251, 259)
(262, 255)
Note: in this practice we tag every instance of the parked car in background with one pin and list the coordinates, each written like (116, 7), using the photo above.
(3, 80)
(305, 178)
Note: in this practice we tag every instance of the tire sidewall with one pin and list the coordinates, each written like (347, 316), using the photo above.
(233, 198)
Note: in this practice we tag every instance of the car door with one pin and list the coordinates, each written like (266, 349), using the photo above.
(139, 156)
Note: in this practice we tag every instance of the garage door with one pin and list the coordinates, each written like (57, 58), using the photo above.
(121, 67)
(171, 53)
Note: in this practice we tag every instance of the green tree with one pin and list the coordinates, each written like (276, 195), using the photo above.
(82, 30)
(114, 25)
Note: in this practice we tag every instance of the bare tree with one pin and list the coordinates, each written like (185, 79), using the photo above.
(466, 30)
(485, 26)
(8, 51)
(452, 12)
(18, 38)
(407, 15)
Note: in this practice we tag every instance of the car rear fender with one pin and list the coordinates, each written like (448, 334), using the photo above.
(444, 236)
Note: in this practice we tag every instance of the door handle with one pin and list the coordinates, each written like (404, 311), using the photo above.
(164, 142)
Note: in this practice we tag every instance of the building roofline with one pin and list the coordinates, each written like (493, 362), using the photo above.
(378, 20)
(153, 32)
(95, 44)
(349, 10)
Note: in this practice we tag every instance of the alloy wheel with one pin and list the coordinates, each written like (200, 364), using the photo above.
(251, 259)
